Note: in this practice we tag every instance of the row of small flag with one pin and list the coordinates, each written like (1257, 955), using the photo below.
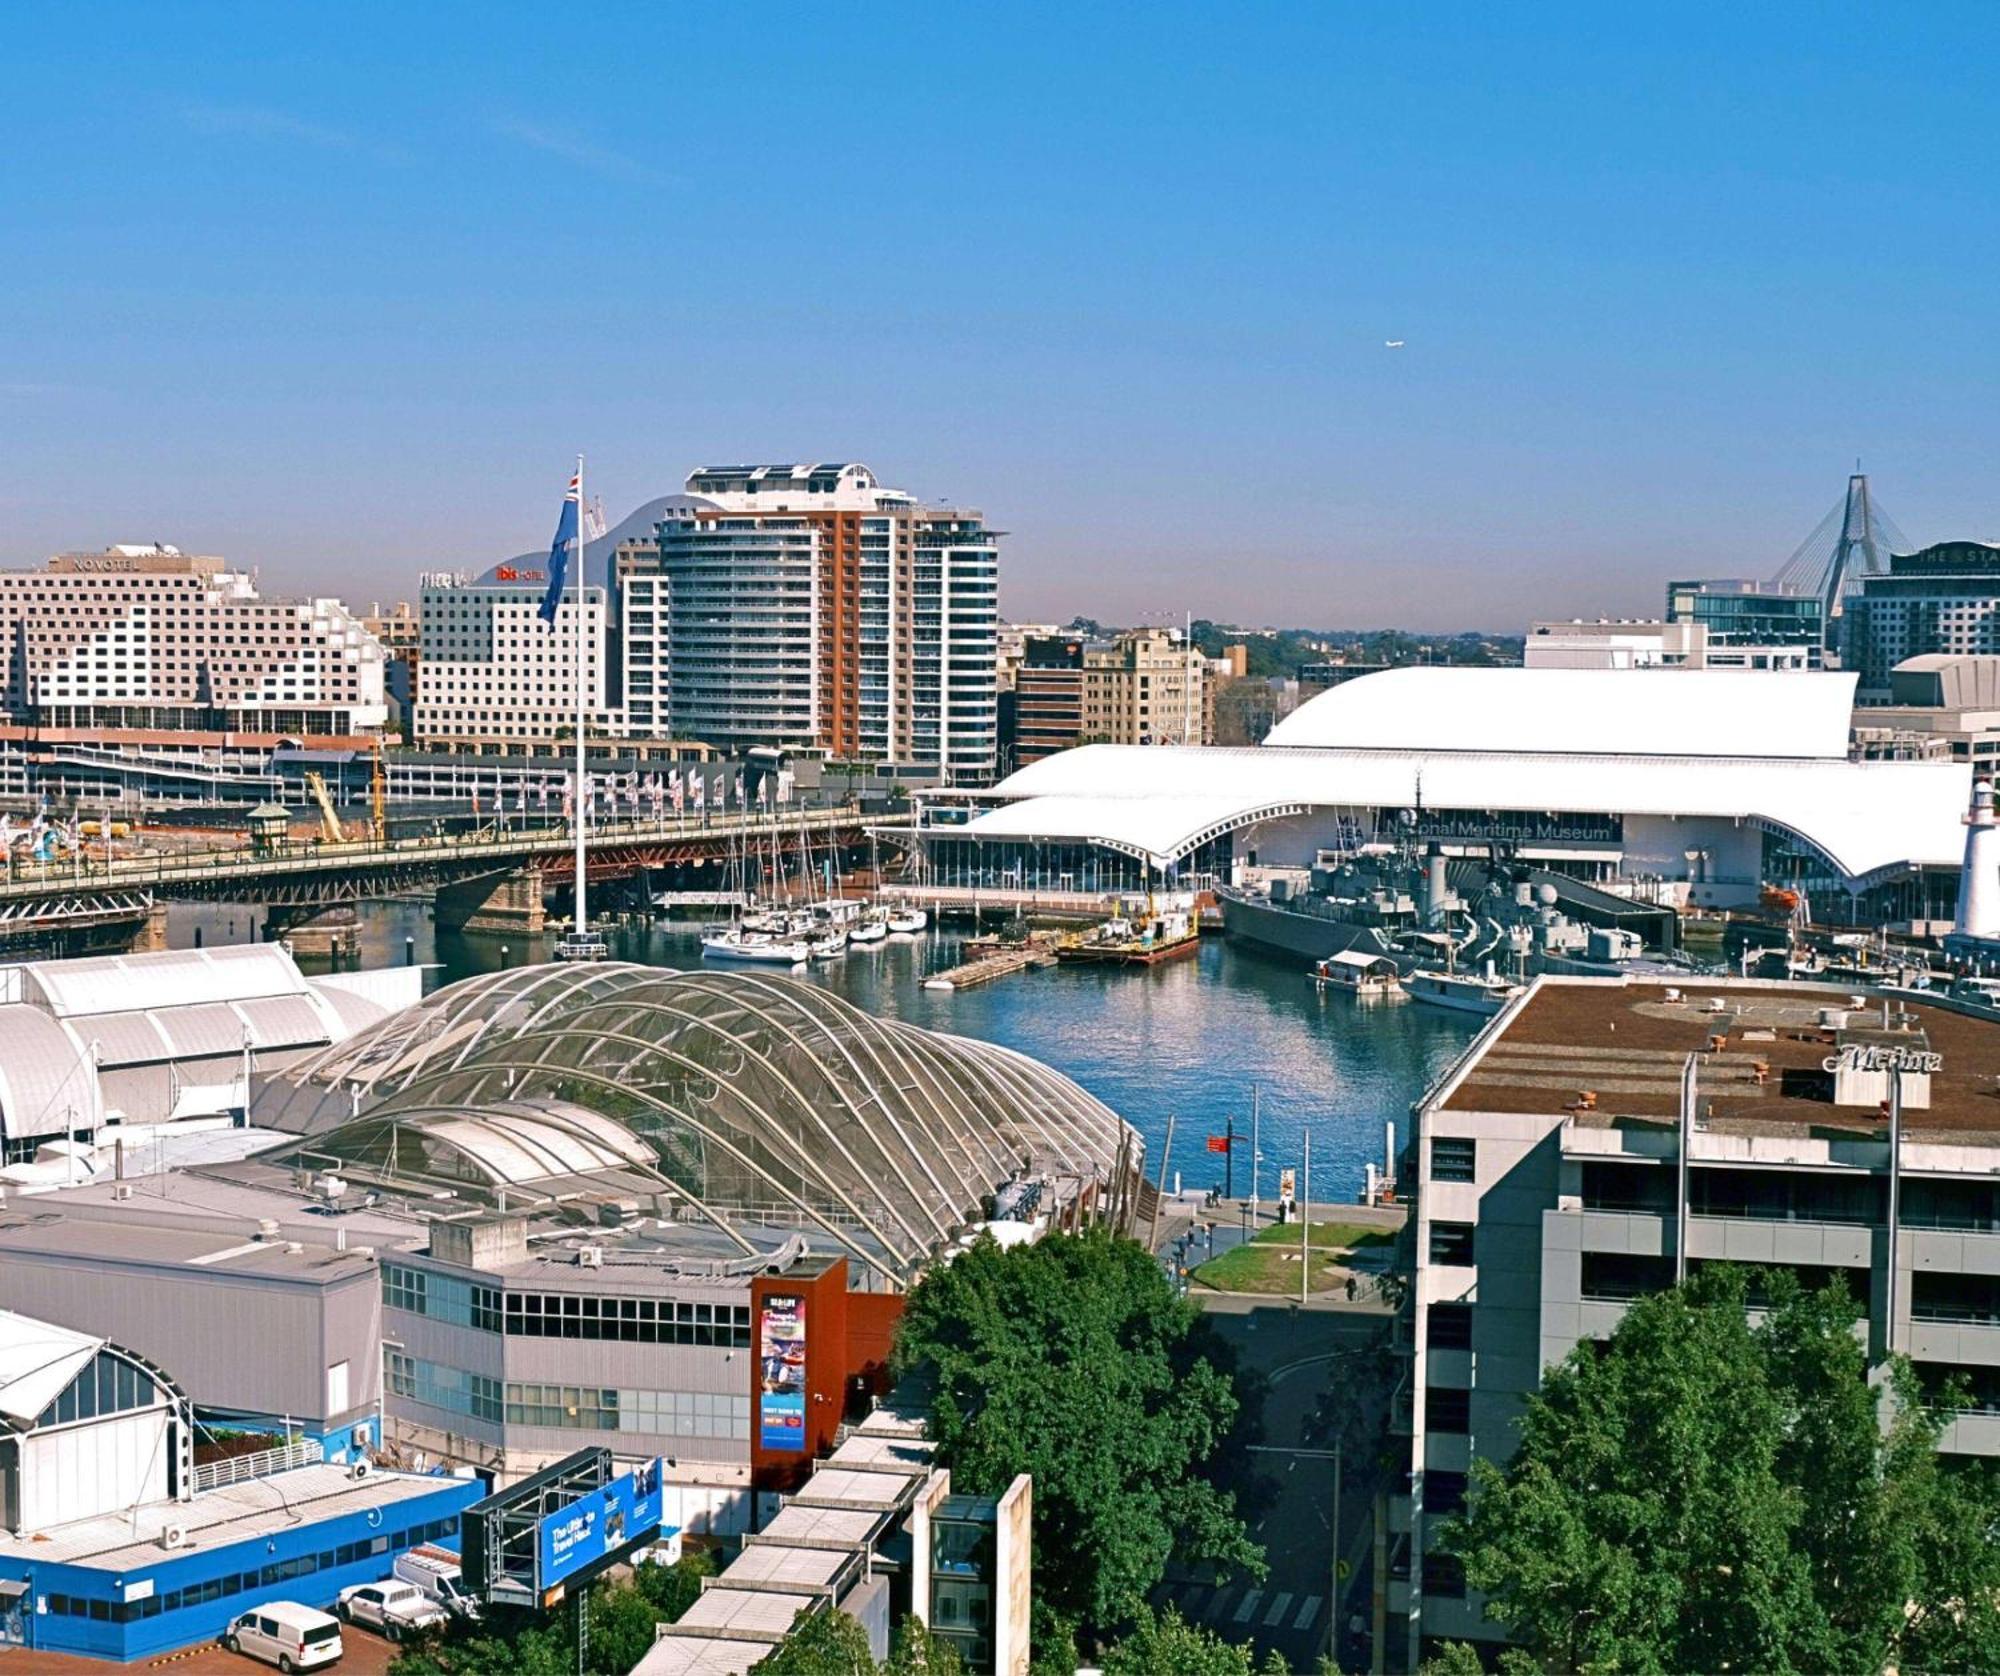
(690, 789)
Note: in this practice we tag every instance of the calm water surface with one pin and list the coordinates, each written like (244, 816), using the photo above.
(1188, 1038)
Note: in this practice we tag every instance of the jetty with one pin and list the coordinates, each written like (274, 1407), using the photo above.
(997, 962)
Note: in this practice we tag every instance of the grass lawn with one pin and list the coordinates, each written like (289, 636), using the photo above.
(1270, 1262)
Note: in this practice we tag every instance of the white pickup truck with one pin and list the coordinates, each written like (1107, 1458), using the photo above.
(396, 1609)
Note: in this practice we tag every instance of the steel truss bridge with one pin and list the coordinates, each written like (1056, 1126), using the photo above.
(298, 880)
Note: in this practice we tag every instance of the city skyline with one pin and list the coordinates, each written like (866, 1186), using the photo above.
(340, 302)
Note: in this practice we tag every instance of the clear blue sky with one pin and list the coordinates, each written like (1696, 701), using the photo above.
(337, 290)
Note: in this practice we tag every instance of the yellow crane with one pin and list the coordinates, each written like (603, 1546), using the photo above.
(330, 829)
(378, 798)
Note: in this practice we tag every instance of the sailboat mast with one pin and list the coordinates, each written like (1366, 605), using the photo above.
(582, 783)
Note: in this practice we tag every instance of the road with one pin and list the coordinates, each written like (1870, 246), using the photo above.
(1305, 1353)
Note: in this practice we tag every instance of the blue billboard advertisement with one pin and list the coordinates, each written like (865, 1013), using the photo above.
(626, 1510)
(781, 1404)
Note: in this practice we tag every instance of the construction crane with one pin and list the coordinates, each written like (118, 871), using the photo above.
(378, 798)
(329, 823)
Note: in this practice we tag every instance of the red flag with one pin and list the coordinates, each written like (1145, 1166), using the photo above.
(1218, 1143)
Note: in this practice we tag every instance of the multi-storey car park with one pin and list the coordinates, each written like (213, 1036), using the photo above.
(1603, 1138)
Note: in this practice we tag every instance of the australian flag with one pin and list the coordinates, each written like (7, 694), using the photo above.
(566, 538)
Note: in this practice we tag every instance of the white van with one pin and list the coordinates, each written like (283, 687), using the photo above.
(437, 1573)
(284, 1633)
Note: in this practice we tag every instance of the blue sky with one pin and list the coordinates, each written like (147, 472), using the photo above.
(339, 290)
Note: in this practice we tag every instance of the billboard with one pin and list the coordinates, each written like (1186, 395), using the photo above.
(781, 1350)
(598, 1523)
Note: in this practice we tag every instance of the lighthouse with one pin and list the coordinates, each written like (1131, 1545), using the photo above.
(1979, 883)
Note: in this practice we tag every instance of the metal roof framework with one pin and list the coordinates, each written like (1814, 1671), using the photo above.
(752, 1097)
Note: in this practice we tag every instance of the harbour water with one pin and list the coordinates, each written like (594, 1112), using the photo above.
(1187, 1038)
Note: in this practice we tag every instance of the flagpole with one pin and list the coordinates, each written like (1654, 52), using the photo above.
(582, 908)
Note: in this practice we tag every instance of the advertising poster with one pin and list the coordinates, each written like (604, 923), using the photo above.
(625, 1511)
(782, 1386)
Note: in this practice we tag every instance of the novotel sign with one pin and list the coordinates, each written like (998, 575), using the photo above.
(1863, 1056)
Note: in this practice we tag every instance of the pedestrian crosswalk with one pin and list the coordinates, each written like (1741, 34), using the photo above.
(1241, 1609)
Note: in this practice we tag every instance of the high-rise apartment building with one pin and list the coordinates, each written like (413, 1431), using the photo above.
(1147, 687)
(807, 605)
(1048, 698)
(1944, 599)
(144, 661)
(399, 631)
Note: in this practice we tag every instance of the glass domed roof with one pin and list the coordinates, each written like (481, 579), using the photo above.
(757, 1097)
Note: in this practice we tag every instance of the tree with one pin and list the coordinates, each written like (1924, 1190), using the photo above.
(826, 1643)
(672, 1589)
(1072, 1359)
(524, 1649)
(1167, 1642)
(622, 1625)
(915, 1651)
(1454, 1658)
(1706, 1494)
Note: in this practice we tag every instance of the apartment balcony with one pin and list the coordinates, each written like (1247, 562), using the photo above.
(1953, 1250)
(1789, 1244)
(1447, 1452)
(1971, 1434)
(1965, 1340)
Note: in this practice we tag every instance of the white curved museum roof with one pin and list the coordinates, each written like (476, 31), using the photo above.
(1580, 712)
(1739, 746)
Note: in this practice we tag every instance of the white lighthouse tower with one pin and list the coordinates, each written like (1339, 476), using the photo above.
(1979, 883)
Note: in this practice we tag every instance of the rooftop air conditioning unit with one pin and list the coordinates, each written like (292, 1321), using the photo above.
(360, 1469)
(591, 1257)
(122, 1191)
(173, 1536)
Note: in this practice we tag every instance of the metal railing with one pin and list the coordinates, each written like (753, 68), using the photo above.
(242, 1469)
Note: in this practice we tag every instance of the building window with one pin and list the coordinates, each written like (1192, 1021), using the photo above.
(1451, 1242)
(1444, 1576)
(1448, 1327)
(437, 1386)
(1452, 1158)
(1447, 1409)
(1444, 1493)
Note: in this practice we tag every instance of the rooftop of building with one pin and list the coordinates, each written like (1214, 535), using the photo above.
(1626, 1043)
(31, 1230)
(730, 1113)
(129, 1540)
(37, 1359)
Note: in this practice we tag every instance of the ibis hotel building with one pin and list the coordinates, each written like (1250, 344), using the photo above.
(155, 655)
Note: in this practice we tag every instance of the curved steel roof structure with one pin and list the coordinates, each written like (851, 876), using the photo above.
(744, 1097)
(1766, 749)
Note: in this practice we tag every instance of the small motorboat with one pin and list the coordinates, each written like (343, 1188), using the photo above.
(754, 947)
(907, 922)
(868, 932)
(827, 945)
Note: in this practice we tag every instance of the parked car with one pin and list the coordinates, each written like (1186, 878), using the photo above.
(396, 1609)
(284, 1633)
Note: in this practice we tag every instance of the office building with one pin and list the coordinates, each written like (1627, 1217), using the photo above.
(400, 631)
(1556, 1178)
(1942, 600)
(1757, 625)
(1942, 707)
(1622, 643)
(148, 655)
(808, 606)
(1147, 687)
(492, 673)
(1048, 699)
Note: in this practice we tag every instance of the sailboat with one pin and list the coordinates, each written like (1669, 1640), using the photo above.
(574, 527)
(765, 938)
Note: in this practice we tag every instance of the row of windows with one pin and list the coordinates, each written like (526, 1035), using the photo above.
(452, 1389)
(109, 1385)
(564, 1314)
(713, 1414)
(244, 1582)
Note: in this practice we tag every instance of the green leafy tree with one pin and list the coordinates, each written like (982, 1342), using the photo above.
(1454, 1658)
(1166, 1641)
(506, 1649)
(672, 1589)
(1073, 1360)
(1709, 1495)
(821, 1644)
(915, 1651)
(622, 1624)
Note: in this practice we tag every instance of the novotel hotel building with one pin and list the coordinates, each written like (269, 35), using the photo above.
(1604, 1138)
